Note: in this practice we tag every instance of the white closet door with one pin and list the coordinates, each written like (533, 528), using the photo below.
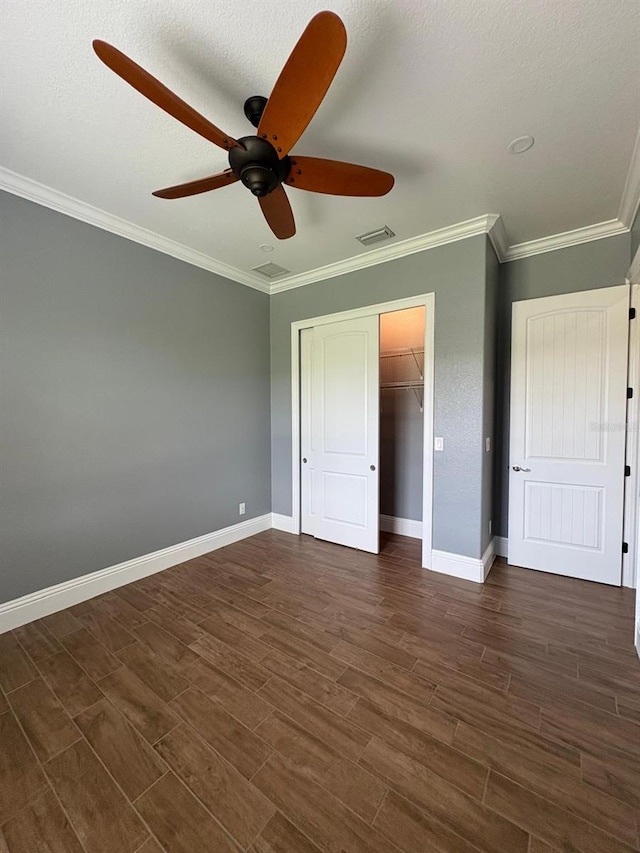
(343, 502)
(568, 413)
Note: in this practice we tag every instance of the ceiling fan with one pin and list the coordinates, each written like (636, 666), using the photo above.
(263, 162)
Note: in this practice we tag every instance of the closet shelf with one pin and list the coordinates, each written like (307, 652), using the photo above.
(412, 353)
(398, 369)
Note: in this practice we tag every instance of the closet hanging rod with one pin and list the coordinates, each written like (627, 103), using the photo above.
(410, 386)
(412, 351)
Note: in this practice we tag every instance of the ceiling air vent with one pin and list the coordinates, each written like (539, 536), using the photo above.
(384, 233)
(270, 270)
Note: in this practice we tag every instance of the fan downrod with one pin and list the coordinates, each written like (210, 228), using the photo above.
(254, 107)
(258, 166)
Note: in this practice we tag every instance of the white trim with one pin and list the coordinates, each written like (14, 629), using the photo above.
(401, 526)
(459, 566)
(488, 558)
(498, 236)
(55, 200)
(428, 301)
(502, 546)
(632, 453)
(631, 193)
(566, 239)
(282, 522)
(440, 237)
(428, 405)
(490, 224)
(50, 600)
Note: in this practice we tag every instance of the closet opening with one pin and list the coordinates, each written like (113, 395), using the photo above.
(402, 371)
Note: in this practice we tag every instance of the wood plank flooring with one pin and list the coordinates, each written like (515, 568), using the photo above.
(285, 695)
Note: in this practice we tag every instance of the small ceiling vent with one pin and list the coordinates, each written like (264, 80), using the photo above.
(271, 270)
(384, 233)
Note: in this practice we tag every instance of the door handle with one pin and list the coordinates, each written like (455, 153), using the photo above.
(518, 468)
(304, 459)
(372, 467)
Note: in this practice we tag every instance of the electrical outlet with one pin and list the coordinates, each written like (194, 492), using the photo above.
(487, 444)
(438, 443)
(242, 509)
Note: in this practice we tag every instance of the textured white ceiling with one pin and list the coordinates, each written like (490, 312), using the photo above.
(431, 90)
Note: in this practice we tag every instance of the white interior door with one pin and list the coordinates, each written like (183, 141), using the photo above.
(340, 432)
(567, 445)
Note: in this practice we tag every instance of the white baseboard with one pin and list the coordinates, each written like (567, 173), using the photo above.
(488, 558)
(460, 566)
(401, 526)
(282, 522)
(502, 546)
(50, 600)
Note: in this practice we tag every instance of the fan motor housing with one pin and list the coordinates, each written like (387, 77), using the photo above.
(258, 165)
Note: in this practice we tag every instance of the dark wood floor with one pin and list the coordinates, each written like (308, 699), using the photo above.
(284, 695)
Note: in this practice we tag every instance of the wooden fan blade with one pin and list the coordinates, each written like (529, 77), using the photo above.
(157, 92)
(303, 82)
(203, 185)
(336, 178)
(277, 211)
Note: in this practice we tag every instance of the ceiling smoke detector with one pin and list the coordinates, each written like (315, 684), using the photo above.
(270, 270)
(521, 144)
(384, 233)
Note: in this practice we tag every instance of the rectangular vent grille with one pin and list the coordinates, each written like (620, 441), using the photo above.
(384, 233)
(271, 270)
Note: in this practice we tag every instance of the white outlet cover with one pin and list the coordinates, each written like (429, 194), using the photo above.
(438, 443)
(487, 444)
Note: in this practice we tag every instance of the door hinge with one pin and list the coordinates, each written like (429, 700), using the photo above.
(629, 393)
(625, 547)
(627, 470)
(632, 313)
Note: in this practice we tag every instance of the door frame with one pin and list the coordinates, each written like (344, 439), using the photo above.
(425, 300)
(631, 527)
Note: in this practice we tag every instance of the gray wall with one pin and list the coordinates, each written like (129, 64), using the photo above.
(635, 235)
(601, 263)
(456, 273)
(492, 275)
(401, 451)
(135, 399)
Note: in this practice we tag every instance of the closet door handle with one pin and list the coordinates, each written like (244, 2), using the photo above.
(304, 459)
(372, 467)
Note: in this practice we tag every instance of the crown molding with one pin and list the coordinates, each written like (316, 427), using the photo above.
(18, 185)
(631, 194)
(489, 224)
(498, 236)
(566, 239)
(460, 231)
